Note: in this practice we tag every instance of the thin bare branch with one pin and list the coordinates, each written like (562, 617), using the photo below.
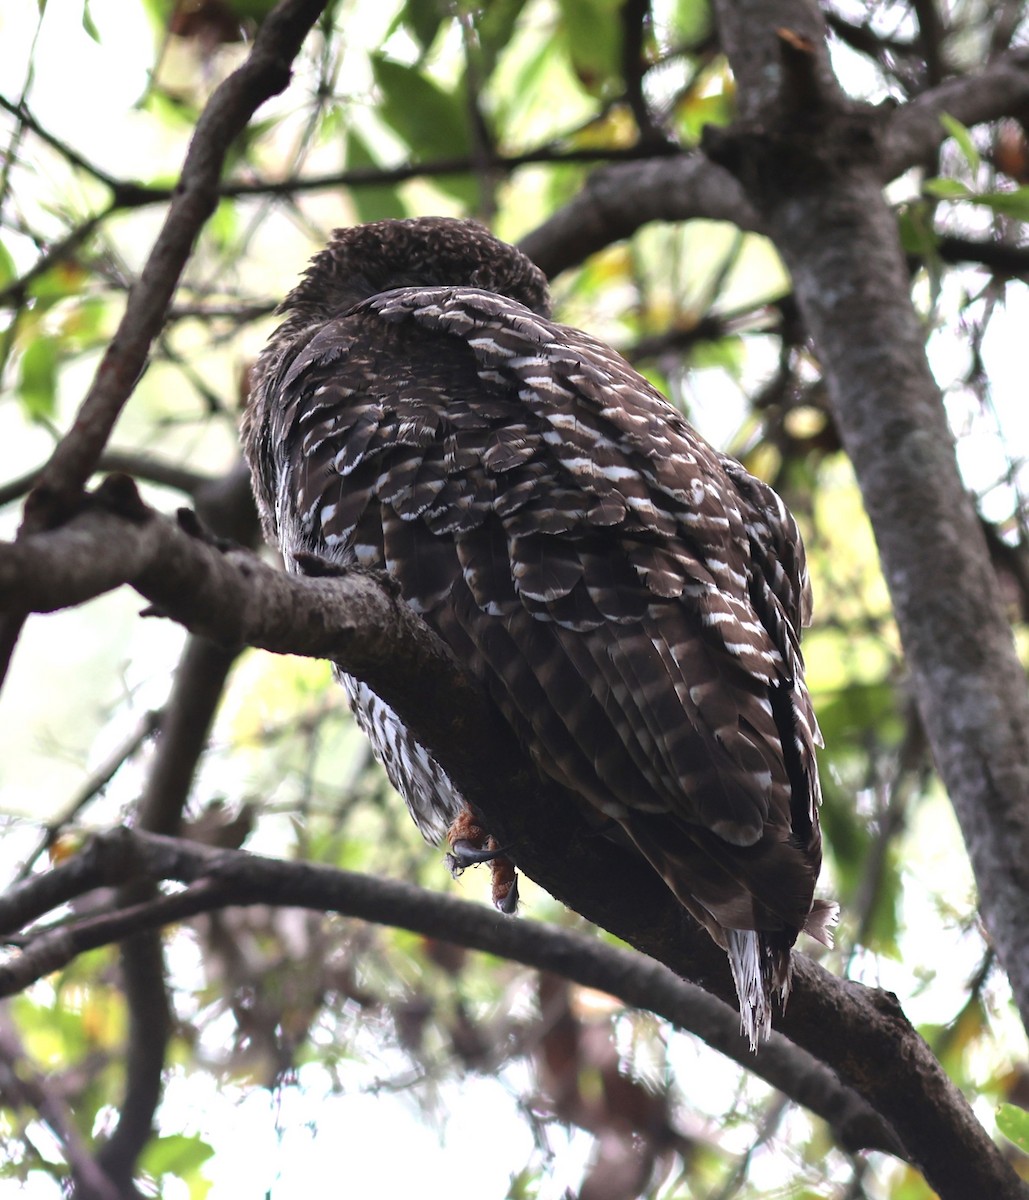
(141, 466)
(22, 1086)
(265, 72)
(218, 879)
(92, 787)
(349, 619)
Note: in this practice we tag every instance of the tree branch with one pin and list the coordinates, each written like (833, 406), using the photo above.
(265, 72)
(224, 878)
(350, 619)
(618, 199)
(140, 465)
(817, 177)
(92, 787)
(634, 19)
(913, 131)
(129, 195)
(197, 690)
(21, 1086)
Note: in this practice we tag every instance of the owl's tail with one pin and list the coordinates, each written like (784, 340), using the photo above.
(759, 968)
(761, 965)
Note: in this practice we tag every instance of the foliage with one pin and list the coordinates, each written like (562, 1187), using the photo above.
(501, 111)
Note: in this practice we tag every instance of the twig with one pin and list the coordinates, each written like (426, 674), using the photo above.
(132, 462)
(265, 72)
(13, 295)
(20, 110)
(131, 195)
(20, 1086)
(91, 788)
(218, 879)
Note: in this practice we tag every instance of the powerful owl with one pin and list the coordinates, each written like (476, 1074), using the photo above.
(629, 598)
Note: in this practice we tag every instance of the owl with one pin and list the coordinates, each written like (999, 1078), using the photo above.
(629, 599)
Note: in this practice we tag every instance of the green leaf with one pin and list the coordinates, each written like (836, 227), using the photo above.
(726, 353)
(430, 120)
(423, 20)
(37, 385)
(699, 108)
(594, 42)
(947, 189)
(1011, 204)
(917, 235)
(375, 202)
(63, 279)
(433, 122)
(963, 138)
(175, 112)
(84, 324)
(8, 270)
(88, 24)
(254, 10)
(175, 1154)
(691, 22)
(1013, 1122)
(495, 24)
(223, 226)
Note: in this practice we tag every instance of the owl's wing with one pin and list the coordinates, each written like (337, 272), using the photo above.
(630, 602)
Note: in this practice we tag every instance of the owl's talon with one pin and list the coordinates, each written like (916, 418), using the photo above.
(466, 854)
(505, 897)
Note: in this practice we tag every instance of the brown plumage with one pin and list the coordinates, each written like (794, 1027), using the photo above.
(630, 598)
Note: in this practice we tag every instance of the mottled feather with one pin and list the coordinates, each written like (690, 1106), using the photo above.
(630, 598)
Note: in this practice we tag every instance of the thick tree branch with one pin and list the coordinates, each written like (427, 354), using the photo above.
(913, 131)
(200, 681)
(265, 72)
(234, 598)
(617, 200)
(816, 174)
(218, 879)
(620, 198)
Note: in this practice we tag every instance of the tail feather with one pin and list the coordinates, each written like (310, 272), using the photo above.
(761, 965)
(820, 920)
(759, 968)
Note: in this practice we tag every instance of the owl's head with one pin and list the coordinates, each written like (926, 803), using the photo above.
(365, 260)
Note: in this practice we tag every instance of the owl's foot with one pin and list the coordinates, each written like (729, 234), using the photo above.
(505, 882)
(470, 844)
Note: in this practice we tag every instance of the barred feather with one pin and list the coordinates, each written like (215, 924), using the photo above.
(630, 599)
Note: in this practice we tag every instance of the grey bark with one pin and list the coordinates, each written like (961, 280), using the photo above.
(813, 165)
(234, 598)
